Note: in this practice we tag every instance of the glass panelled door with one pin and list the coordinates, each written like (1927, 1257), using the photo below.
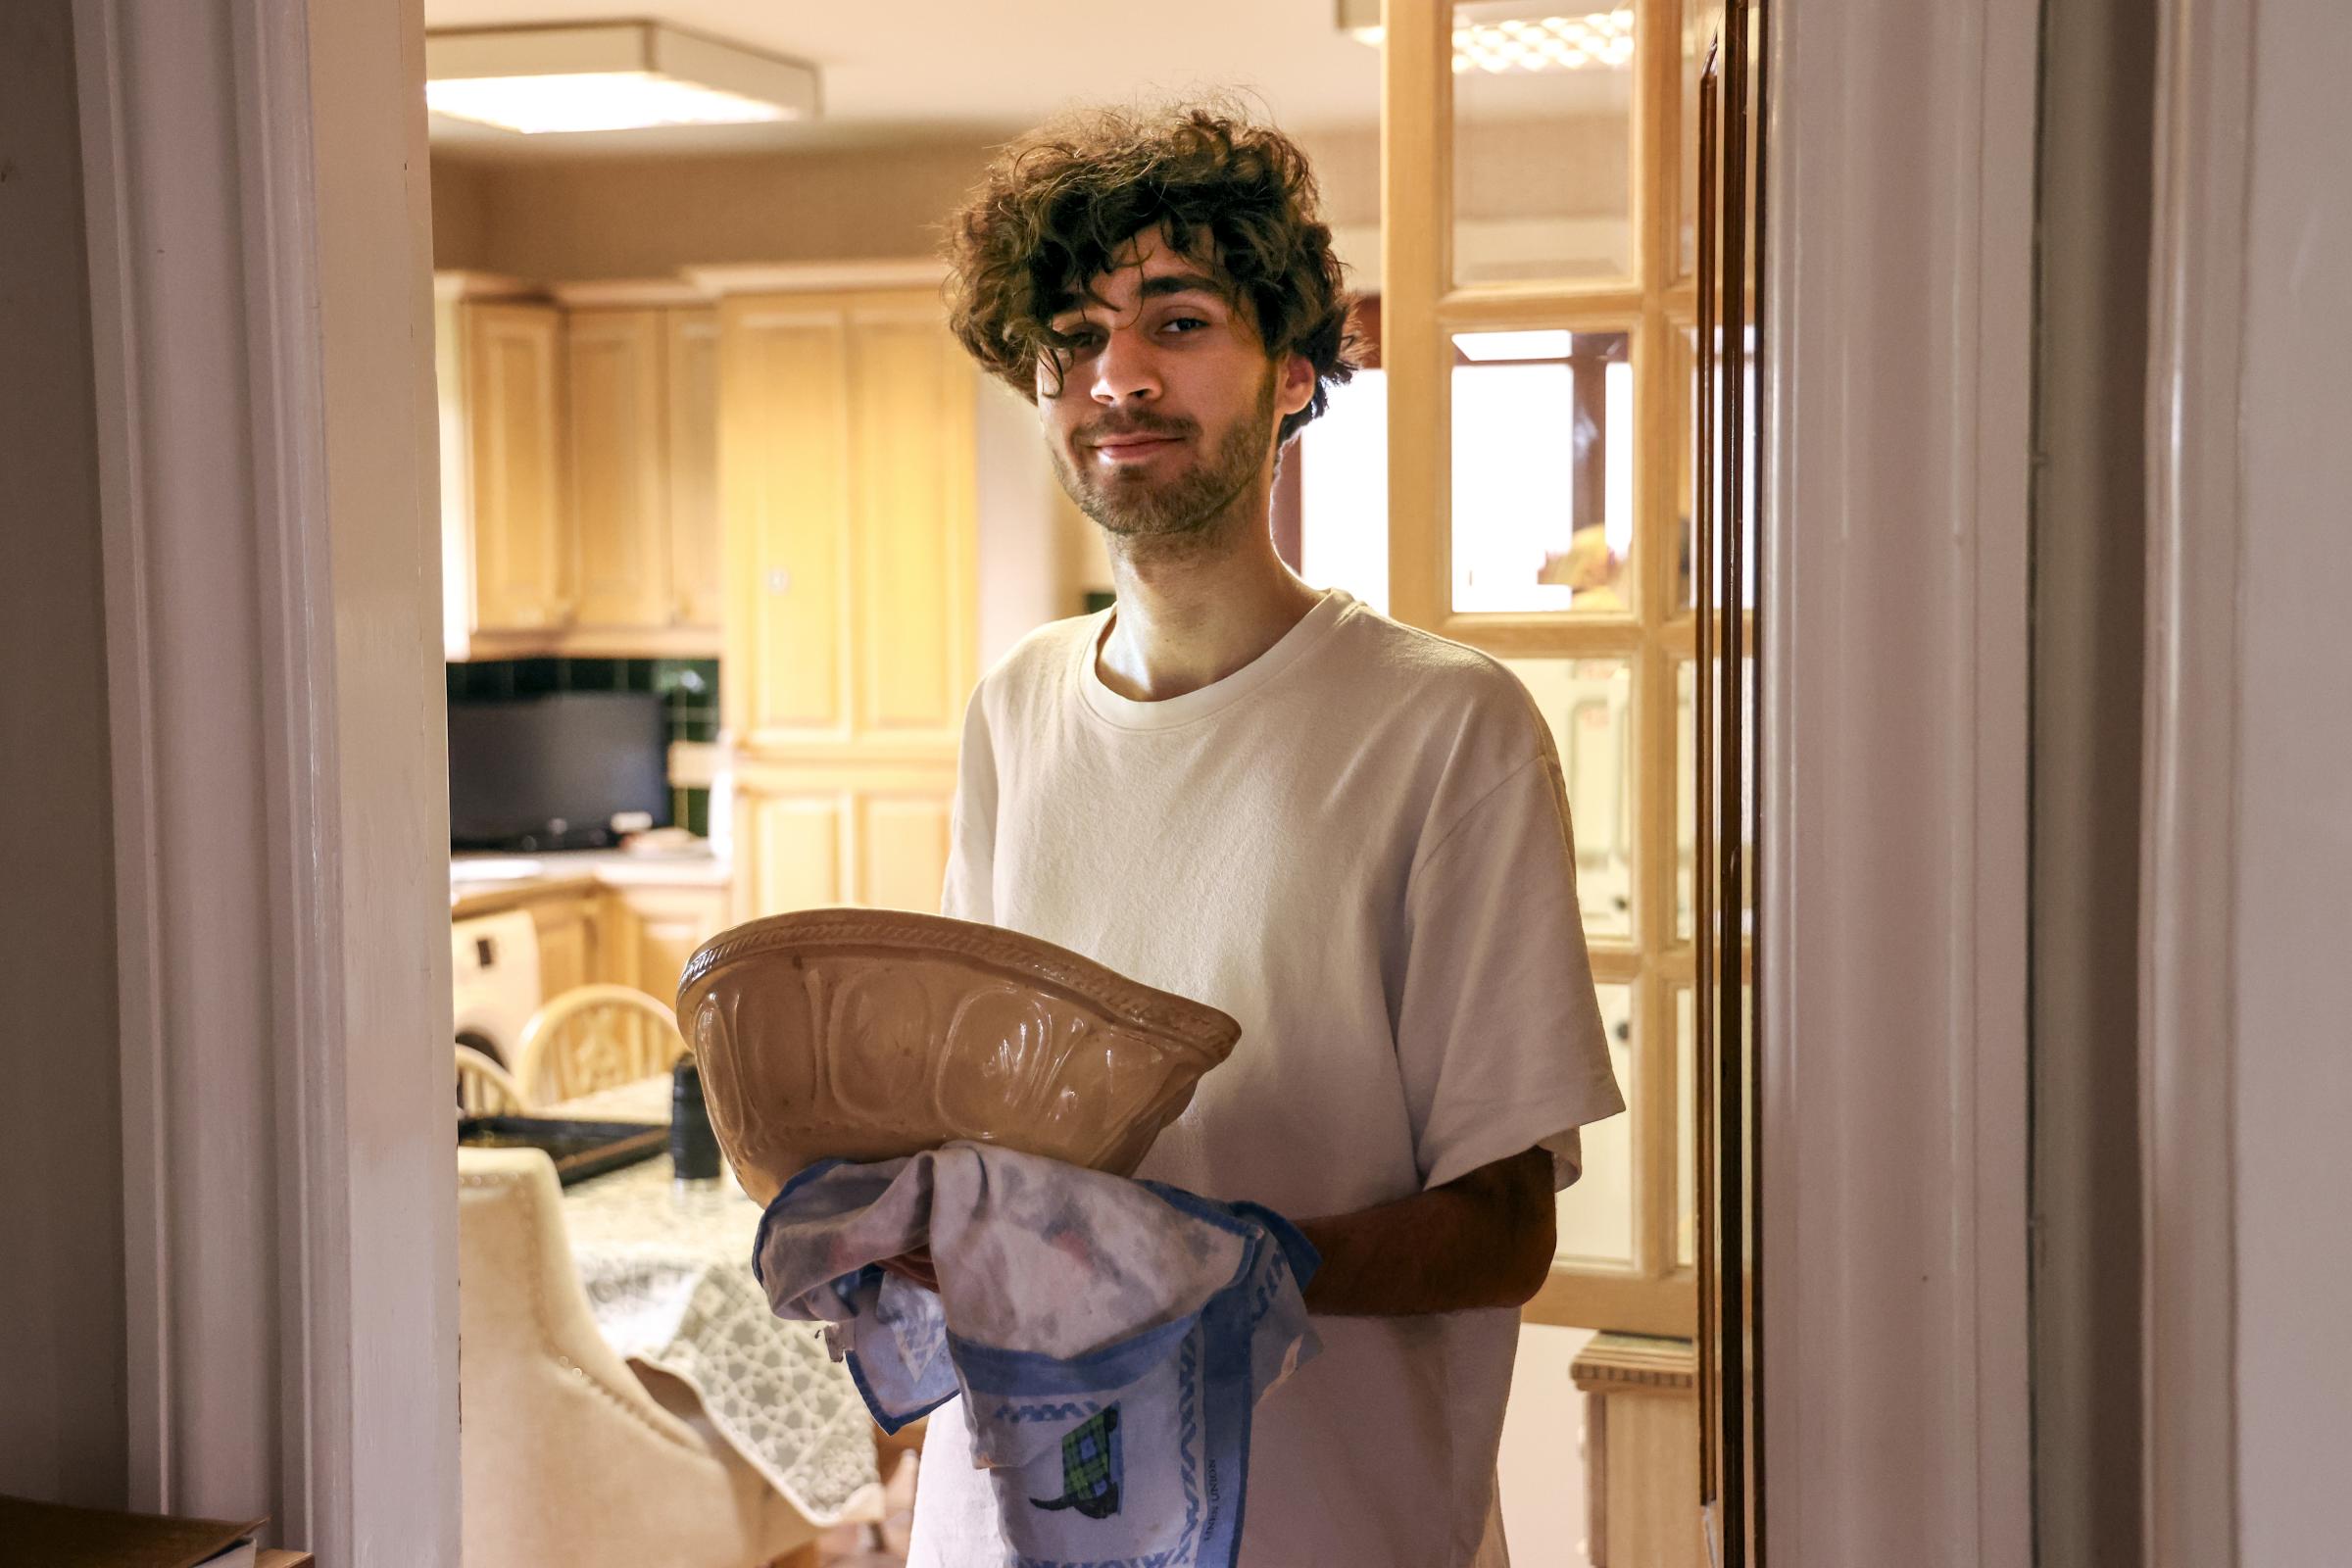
(1538, 331)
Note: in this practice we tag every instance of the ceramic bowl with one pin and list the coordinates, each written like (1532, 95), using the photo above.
(868, 1034)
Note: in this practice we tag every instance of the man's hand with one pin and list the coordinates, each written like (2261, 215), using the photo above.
(914, 1268)
(1483, 1241)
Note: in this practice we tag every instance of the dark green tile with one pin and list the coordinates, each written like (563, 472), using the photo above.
(591, 675)
(637, 675)
(1097, 599)
(698, 811)
(536, 677)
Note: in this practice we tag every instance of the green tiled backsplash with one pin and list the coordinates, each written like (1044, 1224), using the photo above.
(689, 689)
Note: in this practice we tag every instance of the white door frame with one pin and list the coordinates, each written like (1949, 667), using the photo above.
(2190, 924)
(1893, 1139)
(261, 254)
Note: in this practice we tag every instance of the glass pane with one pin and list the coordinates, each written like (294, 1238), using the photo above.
(1683, 351)
(1343, 460)
(1685, 806)
(1685, 1128)
(1589, 704)
(1686, 346)
(1543, 472)
(1597, 1214)
(1685, 796)
(1542, 142)
(1694, 42)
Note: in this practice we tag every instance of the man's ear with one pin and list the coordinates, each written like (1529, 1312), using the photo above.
(1297, 385)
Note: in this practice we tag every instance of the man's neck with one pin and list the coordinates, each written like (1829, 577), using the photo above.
(1190, 616)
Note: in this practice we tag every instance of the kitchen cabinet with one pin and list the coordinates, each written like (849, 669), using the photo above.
(597, 926)
(689, 348)
(579, 460)
(848, 484)
(619, 492)
(1641, 1449)
(569, 949)
(506, 562)
(642, 401)
(651, 931)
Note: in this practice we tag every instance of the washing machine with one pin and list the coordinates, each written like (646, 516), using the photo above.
(494, 967)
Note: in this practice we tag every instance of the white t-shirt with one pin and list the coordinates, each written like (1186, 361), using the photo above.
(1358, 845)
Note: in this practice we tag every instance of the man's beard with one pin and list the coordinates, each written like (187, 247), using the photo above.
(1187, 506)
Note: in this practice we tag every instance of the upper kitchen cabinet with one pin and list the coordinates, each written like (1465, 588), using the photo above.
(642, 400)
(848, 484)
(620, 501)
(690, 355)
(509, 578)
(579, 472)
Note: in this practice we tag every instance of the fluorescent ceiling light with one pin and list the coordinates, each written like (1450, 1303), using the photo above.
(1594, 40)
(1546, 344)
(624, 75)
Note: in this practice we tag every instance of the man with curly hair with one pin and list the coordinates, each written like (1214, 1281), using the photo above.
(1349, 834)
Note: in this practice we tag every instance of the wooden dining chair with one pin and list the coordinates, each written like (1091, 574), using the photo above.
(595, 1037)
(485, 1089)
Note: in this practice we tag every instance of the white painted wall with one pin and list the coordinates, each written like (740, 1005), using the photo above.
(1541, 1467)
(2294, 779)
(62, 1378)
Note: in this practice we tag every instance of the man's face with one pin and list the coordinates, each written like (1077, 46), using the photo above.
(1166, 409)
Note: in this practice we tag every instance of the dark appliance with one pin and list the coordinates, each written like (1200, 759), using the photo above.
(568, 770)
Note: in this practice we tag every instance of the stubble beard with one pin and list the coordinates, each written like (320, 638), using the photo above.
(1192, 509)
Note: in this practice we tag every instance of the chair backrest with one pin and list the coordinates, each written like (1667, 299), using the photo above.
(565, 1456)
(485, 1089)
(596, 1036)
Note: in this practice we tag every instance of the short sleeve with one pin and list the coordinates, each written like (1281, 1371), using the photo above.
(969, 893)
(1498, 1032)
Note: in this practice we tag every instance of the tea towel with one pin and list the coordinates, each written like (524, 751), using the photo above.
(1111, 1337)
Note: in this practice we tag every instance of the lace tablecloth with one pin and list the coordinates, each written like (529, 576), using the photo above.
(668, 1272)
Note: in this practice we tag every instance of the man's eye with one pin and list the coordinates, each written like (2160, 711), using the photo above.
(1189, 324)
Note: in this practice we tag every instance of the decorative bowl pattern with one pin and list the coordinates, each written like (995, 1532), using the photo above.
(868, 1034)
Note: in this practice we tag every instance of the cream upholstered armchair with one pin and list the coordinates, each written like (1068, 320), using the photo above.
(566, 1455)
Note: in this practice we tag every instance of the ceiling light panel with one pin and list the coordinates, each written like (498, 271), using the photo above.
(1600, 40)
(610, 77)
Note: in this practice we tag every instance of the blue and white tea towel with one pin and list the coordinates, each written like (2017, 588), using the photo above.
(1111, 1337)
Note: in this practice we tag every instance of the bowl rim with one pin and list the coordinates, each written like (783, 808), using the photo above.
(1165, 1015)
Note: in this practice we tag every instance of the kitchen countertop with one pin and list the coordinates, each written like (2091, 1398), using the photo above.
(485, 884)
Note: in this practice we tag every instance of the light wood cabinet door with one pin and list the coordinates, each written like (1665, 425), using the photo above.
(784, 492)
(913, 519)
(568, 945)
(691, 348)
(848, 490)
(812, 834)
(524, 569)
(619, 492)
(654, 930)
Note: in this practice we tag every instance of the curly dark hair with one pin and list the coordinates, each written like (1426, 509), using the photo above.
(1059, 205)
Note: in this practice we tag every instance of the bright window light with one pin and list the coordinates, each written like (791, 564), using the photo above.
(1344, 492)
(1600, 40)
(614, 100)
(1543, 345)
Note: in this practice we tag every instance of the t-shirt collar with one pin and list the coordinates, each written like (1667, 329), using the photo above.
(1126, 713)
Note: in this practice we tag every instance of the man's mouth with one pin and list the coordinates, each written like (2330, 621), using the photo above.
(1132, 448)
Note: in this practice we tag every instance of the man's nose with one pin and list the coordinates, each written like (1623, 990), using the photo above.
(1125, 372)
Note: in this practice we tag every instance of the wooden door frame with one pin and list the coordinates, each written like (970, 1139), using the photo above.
(260, 242)
(1893, 1084)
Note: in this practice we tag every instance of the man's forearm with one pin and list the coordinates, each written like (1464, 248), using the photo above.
(1483, 1241)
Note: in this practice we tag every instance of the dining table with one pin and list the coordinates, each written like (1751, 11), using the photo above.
(668, 1268)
